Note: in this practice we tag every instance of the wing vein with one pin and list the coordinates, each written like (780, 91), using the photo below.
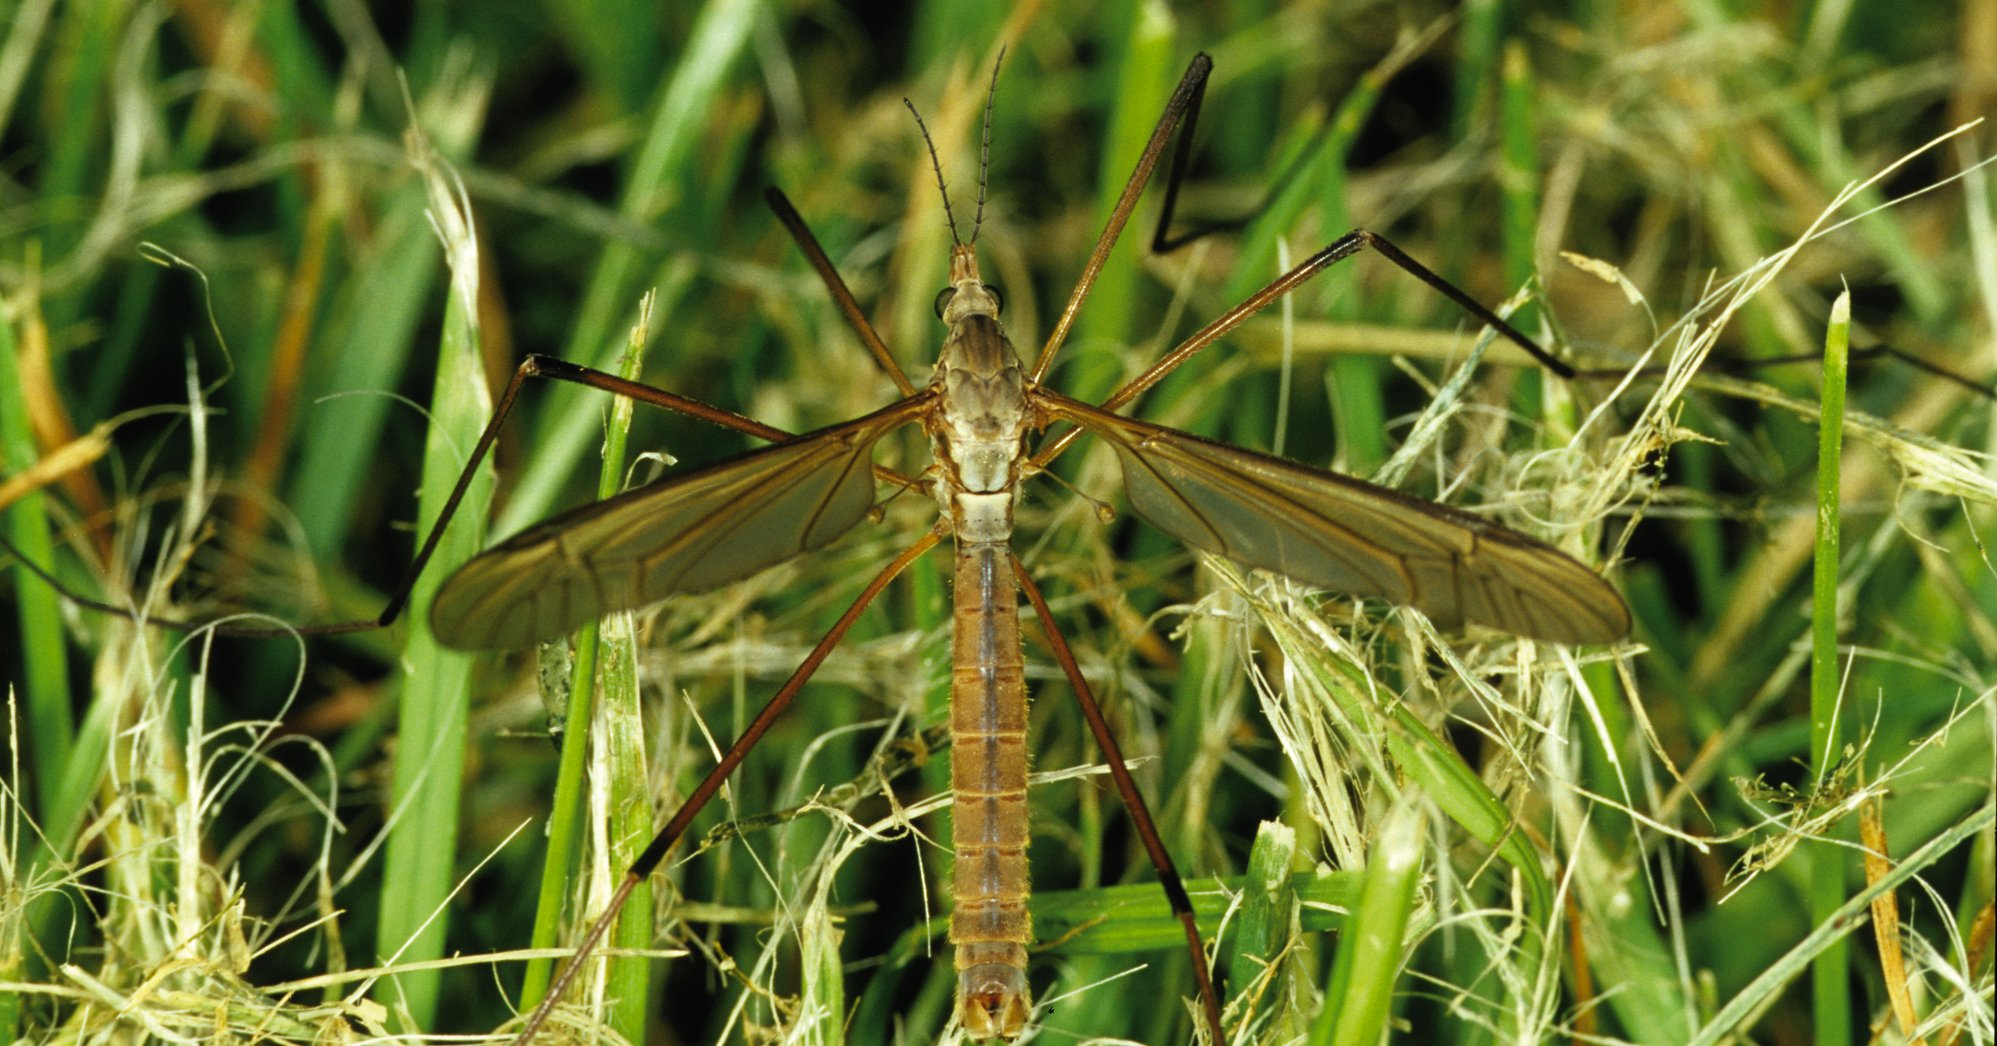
(1341, 533)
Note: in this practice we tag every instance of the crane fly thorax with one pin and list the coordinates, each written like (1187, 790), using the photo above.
(983, 392)
(978, 433)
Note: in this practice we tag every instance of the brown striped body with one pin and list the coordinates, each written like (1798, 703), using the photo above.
(989, 925)
(978, 435)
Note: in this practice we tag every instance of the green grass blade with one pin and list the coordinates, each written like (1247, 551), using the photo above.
(1147, 67)
(561, 863)
(1373, 949)
(420, 868)
(1359, 411)
(90, 42)
(44, 692)
(1262, 929)
(631, 825)
(1518, 183)
(1478, 43)
(381, 306)
(46, 686)
(619, 757)
(1755, 997)
(658, 172)
(622, 762)
(1830, 972)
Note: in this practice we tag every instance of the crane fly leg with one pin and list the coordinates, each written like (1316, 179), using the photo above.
(1140, 814)
(1334, 252)
(676, 826)
(1186, 98)
(842, 296)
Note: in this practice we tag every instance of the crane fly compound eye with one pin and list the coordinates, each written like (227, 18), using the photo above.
(998, 300)
(943, 298)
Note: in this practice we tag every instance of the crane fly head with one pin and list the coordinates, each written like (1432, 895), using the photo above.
(968, 294)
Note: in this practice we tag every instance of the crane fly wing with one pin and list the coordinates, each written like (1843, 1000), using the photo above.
(685, 533)
(1351, 536)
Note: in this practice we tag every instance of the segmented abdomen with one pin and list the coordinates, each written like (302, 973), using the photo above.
(989, 924)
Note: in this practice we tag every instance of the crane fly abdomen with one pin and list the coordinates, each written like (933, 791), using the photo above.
(989, 924)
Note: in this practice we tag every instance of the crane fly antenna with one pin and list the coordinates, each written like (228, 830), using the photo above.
(937, 166)
(985, 148)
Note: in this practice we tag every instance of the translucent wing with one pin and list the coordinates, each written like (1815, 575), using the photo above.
(1344, 534)
(690, 532)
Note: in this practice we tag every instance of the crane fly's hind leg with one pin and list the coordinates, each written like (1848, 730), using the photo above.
(1140, 814)
(1162, 239)
(1332, 253)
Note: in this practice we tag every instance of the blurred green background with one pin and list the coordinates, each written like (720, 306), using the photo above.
(214, 205)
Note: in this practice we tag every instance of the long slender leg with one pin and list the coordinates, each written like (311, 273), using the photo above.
(849, 307)
(1161, 241)
(1338, 250)
(662, 843)
(1140, 814)
(1866, 355)
(174, 624)
(1192, 87)
(534, 365)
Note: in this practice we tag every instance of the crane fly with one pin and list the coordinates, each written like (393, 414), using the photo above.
(981, 411)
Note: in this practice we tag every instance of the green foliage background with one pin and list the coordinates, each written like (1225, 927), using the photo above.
(221, 262)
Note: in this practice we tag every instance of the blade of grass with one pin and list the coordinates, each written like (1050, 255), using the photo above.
(381, 304)
(1729, 1021)
(1360, 993)
(1518, 185)
(1432, 764)
(1477, 52)
(1359, 410)
(1262, 928)
(1830, 972)
(45, 690)
(620, 761)
(664, 161)
(89, 40)
(1145, 70)
(618, 44)
(45, 661)
(571, 791)
(630, 815)
(420, 862)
